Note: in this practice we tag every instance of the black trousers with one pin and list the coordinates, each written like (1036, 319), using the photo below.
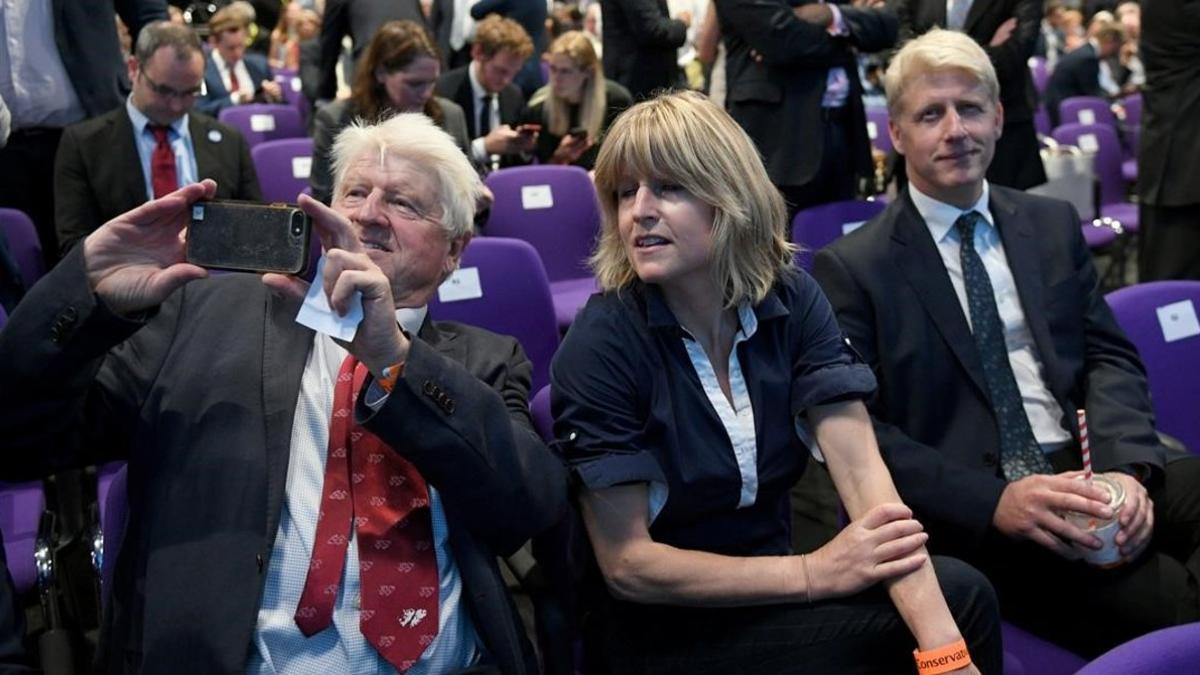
(27, 182)
(836, 179)
(1169, 242)
(1018, 162)
(1090, 610)
(858, 634)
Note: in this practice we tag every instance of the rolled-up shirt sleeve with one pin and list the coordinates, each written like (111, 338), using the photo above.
(825, 367)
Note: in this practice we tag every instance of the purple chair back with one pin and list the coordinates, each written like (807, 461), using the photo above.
(293, 94)
(260, 122)
(512, 297)
(1170, 651)
(23, 245)
(817, 227)
(1133, 122)
(1041, 121)
(283, 168)
(552, 207)
(1102, 140)
(3, 316)
(539, 408)
(1028, 654)
(1086, 110)
(21, 506)
(1150, 313)
(877, 129)
(1040, 73)
(115, 511)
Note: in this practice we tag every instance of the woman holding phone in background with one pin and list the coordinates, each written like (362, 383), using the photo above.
(397, 74)
(577, 106)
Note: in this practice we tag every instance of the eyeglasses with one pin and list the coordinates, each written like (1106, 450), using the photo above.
(171, 92)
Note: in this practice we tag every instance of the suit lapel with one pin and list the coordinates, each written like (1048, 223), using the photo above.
(1018, 234)
(283, 341)
(208, 162)
(917, 256)
(128, 164)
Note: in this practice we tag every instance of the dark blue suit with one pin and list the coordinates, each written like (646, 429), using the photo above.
(217, 96)
(200, 398)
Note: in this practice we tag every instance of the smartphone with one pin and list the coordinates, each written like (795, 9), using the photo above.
(249, 237)
(578, 132)
(529, 129)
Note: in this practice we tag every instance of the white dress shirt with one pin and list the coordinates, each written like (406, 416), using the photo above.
(246, 85)
(1044, 413)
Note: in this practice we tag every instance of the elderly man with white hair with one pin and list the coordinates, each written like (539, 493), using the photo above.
(297, 503)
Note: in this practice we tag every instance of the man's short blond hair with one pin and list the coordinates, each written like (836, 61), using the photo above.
(938, 50)
(415, 138)
(496, 34)
(685, 139)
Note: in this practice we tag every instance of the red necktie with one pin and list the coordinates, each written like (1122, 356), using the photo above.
(163, 179)
(233, 81)
(370, 486)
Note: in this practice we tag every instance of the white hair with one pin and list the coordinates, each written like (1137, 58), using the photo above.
(414, 137)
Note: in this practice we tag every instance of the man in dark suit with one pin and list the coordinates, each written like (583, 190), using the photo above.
(232, 75)
(74, 72)
(792, 84)
(245, 437)
(531, 14)
(1008, 31)
(107, 165)
(640, 44)
(484, 90)
(979, 309)
(1169, 150)
(1078, 73)
(359, 19)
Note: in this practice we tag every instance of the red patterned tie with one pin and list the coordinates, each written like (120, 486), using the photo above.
(163, 179)
(369, 485)
(233, 81)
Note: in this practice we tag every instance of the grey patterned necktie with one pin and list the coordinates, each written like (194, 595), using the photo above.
(956, 17)
(1020, 454)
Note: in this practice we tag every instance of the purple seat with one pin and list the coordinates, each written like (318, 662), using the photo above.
(1170, 651)
(3, 316)
(1170, 366)
(115, 511)
(21, 506)
(817, 227)
(283, 168)
(512, 298)
(539, 408)
(1028, 654)
(877, 129)
(554, 208)
(293, 94)
(1133, 120)
(1041, 121)
(23, 245)
(1086, 110)
(1102, 140)
(1098, 236)
(260, 122)
(1040, 73)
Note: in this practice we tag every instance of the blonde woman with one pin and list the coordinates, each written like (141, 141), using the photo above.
(578, 104)
(688, 396)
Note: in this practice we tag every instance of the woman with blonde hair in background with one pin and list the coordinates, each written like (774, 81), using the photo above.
(577, 105)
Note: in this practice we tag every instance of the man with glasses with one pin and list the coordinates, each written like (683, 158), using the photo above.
(152, 145)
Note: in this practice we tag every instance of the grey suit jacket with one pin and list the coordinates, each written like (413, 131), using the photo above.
(97, 174)
(933, 414)
(200, 398)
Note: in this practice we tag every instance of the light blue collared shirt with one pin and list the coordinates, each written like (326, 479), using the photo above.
(1043, 411)
(279, 646)
(181, 143)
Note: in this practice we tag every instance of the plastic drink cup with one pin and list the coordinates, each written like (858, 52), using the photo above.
(1108, 555)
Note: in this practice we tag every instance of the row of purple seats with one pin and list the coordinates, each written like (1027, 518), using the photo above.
(259, 122)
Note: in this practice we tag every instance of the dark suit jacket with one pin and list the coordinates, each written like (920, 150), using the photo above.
(932, 412)
(201, 399)
(359, 19)
(1076, 74)
(216, 97)
(1169, 147)
(97, 174)
(640, 43)
(456, 86)
(86, 36)
(1010, 59)
(775, 93)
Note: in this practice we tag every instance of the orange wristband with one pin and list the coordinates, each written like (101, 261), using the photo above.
(943, 659)
(390, 374)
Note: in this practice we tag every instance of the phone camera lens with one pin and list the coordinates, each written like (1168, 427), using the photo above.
(297, 224)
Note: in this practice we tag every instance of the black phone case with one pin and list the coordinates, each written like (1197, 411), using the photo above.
(249, 237)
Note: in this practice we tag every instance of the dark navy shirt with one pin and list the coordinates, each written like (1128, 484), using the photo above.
(629, 408)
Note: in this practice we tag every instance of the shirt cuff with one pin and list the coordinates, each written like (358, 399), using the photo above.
(375, 396)
(838, 27)
(479, 152)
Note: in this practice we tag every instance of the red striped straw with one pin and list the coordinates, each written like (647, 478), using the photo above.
(1083, 443)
